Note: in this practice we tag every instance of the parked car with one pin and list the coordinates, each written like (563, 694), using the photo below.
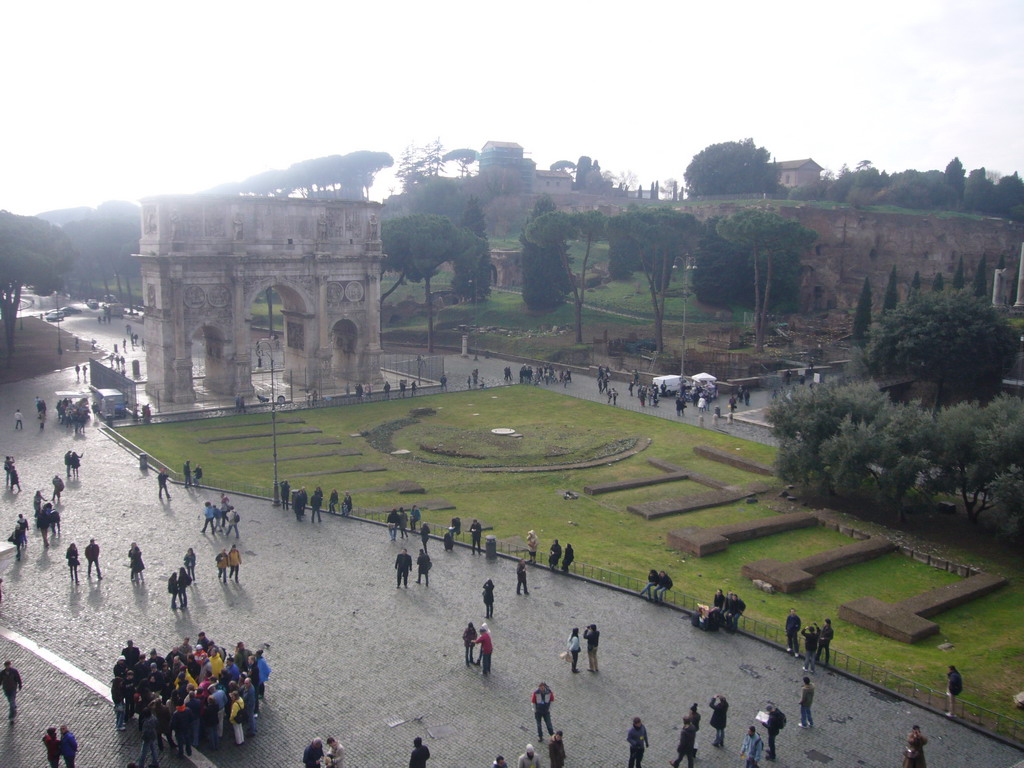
(53, 316)
(92, 304)
(71, 310)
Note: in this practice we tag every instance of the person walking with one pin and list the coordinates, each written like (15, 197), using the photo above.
(521, 577)
(233, 519)
(161, 484)
(573, 646)
(489, 599)
(10, 682)
(824, 641)
(476, 532)
(403, 564)
(222, 565)
(806, 700)
(58, 488)
(793, 625)
(52, 743)
(954, 687)
(554, 555)
(424, 535)
(71, 555)
(420, 754)
(753, 748)
(542, 699)
(469, 636)
(913, 753)
(92, 557)
(135, 563)
(593, 637)
(18, 419)
(556, 750)
(423, 565)
(529, 758)
(210, 513)
(234, 562)
(638, 743)
(719, 717)
(486, 644)
(531, 545)
(68, 746)
(687, 744)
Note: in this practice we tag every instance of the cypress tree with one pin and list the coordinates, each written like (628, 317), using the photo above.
(915, 284)
(939, 283)
(862, 317)
(892, 293)
(958, 276)
(981, 279)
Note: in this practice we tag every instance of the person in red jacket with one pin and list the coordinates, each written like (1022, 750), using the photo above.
(52, 742)
(486, 648)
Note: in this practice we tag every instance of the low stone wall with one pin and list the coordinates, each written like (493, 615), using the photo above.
(652, 510)
(800, 574)
(706, 541)
(740, 462)
(907, 620)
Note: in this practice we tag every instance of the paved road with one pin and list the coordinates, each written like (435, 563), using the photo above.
(352, 656)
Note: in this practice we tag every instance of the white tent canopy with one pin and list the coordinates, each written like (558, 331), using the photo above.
(704, 377)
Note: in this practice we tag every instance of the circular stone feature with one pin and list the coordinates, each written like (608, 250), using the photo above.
(503, 431)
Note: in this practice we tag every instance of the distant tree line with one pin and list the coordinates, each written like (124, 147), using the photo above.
(743, 168)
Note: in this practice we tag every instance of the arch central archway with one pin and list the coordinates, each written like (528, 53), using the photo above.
(204, 261)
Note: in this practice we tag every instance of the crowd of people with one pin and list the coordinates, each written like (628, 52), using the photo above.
(188, 696)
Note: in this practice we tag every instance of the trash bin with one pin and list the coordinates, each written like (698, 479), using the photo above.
(491, 549)
(143, 462)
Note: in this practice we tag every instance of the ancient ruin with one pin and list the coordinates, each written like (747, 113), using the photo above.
(206, 258)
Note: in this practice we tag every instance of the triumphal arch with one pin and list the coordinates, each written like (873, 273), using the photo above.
(205, 259)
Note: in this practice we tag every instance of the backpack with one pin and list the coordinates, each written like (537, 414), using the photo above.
(781, 721)
(235, 518)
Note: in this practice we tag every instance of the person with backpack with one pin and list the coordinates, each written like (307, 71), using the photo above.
(753, 748)
(222, 565)
(233, 520)
(776, 722)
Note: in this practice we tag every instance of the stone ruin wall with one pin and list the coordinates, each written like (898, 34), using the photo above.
(854, 243)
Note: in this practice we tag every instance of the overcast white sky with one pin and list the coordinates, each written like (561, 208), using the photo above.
(119, 100)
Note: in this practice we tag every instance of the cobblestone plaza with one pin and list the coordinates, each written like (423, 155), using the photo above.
(375, 666)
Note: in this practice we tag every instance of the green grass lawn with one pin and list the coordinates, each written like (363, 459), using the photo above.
(561, 429)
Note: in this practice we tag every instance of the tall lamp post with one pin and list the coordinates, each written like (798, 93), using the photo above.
(268, 347)
(56, 307)
(686, 300)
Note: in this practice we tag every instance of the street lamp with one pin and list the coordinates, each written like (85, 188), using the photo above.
(686, 300)
(269, 346)
(56, 307)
